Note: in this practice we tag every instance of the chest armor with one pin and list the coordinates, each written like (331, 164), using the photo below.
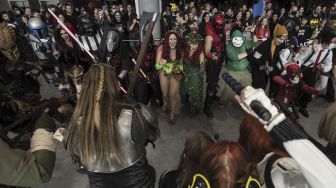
(114, 60)
(130, 152)
(92, 42)
(42, 48)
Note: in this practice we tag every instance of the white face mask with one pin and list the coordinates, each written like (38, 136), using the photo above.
(332, 46)
(237, 41)
(296, 79)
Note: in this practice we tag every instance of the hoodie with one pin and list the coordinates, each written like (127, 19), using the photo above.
(233, 63)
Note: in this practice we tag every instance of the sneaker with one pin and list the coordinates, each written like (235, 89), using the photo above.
(304, 112)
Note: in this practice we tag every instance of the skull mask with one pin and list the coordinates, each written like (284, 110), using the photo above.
(113, 39)
(8, 46)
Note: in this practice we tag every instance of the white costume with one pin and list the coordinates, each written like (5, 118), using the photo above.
(285, 173)
(326, 57)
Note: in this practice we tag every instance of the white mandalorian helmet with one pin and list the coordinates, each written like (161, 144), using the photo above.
(37, 27)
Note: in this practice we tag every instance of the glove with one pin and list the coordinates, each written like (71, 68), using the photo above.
(45, 122)
(53, 105)
(250, 94)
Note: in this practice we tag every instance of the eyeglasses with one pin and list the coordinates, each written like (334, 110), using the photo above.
(252, 183)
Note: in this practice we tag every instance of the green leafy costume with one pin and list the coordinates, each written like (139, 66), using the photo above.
(192, 83)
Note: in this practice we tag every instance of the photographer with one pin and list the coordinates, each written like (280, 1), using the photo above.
(104, 18)
(32, 167)
(133, 27)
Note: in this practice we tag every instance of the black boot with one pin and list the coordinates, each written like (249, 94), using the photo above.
(208, 112)
(304, 112)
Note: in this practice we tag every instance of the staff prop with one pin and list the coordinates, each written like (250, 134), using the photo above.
(141, 71)
(317, 169)
(256, 106)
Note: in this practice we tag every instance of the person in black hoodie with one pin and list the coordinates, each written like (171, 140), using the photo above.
(266, 58)
(304, 32)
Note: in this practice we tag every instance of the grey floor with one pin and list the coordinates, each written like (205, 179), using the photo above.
(170, 144)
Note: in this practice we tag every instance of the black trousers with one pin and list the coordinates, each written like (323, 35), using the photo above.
(260, 80)
(212, 69)
(309, 77)
(330, 94)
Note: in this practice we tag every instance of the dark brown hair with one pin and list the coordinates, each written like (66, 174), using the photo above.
(195, 145)
(179, 46)
(98, 108)
(256, 141)
(226, 164)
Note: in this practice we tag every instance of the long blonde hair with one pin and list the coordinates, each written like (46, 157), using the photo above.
(94, 122)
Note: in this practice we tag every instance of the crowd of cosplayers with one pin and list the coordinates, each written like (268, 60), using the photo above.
(89, 54)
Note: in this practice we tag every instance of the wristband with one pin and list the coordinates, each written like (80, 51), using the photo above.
(42, 140)
(158, 66)
(208, 54)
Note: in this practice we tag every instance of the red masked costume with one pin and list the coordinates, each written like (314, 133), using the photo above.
(215, 32)
(290, 85)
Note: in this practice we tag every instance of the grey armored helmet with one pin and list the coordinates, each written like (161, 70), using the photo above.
(37, 27)
(112, 40)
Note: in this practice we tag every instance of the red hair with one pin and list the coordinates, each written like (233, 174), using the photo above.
(195, 57)
(179, 46)
(256, 141)
(226, 164)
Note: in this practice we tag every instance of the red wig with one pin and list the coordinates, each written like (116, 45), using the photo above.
(179, 46)
(256, 141)
(195, 57)
(226, 164)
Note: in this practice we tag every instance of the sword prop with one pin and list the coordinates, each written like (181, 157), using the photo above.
(122, 89)
(72, 35)
(141, 71)
(78, 42)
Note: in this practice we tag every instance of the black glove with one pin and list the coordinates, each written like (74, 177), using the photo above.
(53, 104)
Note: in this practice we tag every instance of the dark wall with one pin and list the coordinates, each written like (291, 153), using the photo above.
(4, 6)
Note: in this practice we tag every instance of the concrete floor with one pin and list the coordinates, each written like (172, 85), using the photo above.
(171, 142)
